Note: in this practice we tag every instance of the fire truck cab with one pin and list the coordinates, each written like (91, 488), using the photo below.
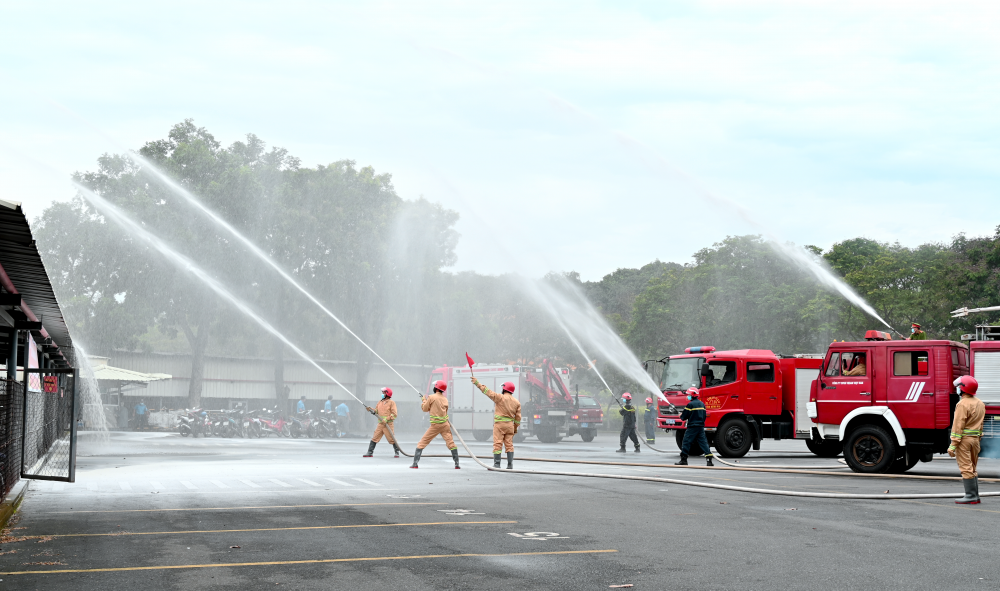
(888, 404)
(749, 395)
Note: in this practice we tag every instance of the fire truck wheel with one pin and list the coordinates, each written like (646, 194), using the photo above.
(588, 434)
(825, 449)
(481, 435)
(679, 438)
(733, 438)
(900, 465)
(870, 449)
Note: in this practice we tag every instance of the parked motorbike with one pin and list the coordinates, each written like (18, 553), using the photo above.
(326, 424)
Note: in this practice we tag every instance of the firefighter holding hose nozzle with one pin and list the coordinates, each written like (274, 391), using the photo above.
(694, 413)
(385, 412)
(966, 431)
(628, 424)
(506, 420)
(437, 405)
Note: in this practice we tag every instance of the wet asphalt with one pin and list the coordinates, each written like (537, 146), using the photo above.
(156, 511)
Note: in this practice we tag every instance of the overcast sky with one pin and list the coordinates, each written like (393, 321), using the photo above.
(582, 135)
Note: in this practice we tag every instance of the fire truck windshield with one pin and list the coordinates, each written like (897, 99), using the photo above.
(681, 374)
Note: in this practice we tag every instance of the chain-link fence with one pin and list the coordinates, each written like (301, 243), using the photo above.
(11, 401)
(48, 429)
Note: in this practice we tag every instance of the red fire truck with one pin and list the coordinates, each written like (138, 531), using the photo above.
(546, 402)
(749, 395)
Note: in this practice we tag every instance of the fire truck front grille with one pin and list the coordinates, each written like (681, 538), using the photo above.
(991, 428)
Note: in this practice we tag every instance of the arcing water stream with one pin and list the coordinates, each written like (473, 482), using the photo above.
(256, 250)
(110, 210)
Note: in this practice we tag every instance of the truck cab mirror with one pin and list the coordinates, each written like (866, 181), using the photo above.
(705, 370)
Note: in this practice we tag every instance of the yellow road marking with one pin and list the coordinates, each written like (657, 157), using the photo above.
(226, 531)
(233, 508)
(284, 562)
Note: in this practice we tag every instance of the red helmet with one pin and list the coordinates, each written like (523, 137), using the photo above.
(692, 392)
(649, 401)
(967, 385)
(441, 385)
(387, 392)
(626, 396)
(508, 387)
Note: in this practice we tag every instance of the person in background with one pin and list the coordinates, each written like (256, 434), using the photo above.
(343, 418)
(141, 416)
(649, 421)
(300, 406)
(860, 369)
(328, 405)
(916, 334)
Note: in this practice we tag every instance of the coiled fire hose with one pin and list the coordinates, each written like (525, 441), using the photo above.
(787, 493)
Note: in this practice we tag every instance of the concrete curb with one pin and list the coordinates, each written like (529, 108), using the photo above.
(12, 503)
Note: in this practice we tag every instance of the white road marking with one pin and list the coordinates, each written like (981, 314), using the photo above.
(125, 486)
(310, 482)
(250, 483)
(188, 484)
(91, 486)
(219, 483)
(340, 482)
(366, 481)
(280, 483)
(156, 485)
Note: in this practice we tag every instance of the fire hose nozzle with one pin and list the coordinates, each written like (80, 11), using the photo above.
(960, 313)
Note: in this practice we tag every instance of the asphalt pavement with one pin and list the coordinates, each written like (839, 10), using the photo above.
(157, 511)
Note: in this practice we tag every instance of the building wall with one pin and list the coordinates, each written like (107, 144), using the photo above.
(253, 379)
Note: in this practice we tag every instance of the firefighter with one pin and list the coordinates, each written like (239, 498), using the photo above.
(916, 334)
(628, 424)
(506, 420)
(649, 421)
(694, 413)
(385, 412)
(966, 431)
(437, 406)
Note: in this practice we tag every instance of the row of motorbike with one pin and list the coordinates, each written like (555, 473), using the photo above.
(239, 422)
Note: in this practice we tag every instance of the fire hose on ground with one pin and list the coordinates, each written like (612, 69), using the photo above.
(765, 491)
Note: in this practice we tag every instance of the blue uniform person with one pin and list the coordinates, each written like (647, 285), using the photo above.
(694, 413)
(628, 424)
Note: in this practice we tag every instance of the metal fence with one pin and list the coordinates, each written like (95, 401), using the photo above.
(11, 417)
(49, 433)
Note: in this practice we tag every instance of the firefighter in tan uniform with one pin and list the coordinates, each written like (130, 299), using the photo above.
(966, 431)
(385, 412)
(437, 405)
(506, 420)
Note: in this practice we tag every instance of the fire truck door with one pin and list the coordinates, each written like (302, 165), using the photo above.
(910, 390)
(848, 384)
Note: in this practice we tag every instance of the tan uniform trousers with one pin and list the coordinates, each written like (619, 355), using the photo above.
(442, 429)
(967, 454)
(503, 436)
(383, 429)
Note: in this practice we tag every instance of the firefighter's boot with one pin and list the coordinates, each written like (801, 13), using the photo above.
(708, 461)
(971, 492)
(637, 449)
(371, 450)
(510, 460)
(684, 460)
(416, 457)
(622, 450)
(454, 456)
(396, 448)
(496, 460)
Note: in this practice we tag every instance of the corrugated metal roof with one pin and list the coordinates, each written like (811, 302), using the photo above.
(117, 374)
(20, 261)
